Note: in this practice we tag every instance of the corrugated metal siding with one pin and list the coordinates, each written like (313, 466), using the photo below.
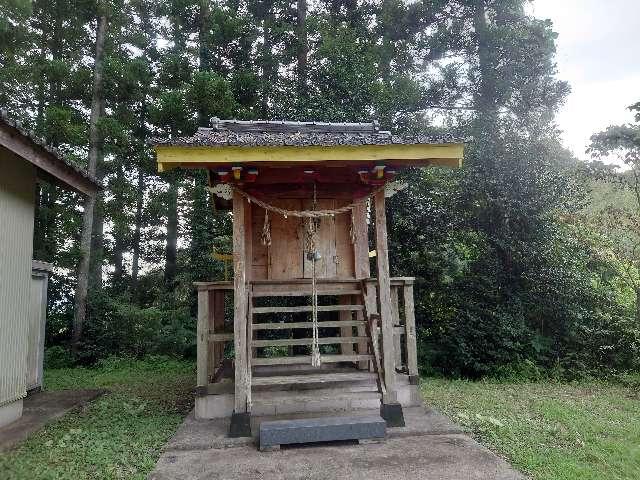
(17, 197)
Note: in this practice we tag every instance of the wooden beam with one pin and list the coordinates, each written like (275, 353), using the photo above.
(410, 324)
(307, 308)
(242, 387)
(50, 167)
(448, 155)
(384, 293)
(298, 325)
(202, 348)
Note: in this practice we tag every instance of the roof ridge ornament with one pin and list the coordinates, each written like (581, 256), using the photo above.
(291, 126)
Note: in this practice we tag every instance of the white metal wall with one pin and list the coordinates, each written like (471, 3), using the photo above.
(17, 197)
(37, 325)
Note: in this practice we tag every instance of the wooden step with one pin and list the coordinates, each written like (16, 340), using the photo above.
(313, 378)
(308, 308)
(293, 325)
(303, 293)
(306, 341)
(280, 397)
(306, 359)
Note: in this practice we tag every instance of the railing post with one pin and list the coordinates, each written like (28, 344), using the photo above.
(216, 325)
(397, 337)
(202, 344)
(410, 326)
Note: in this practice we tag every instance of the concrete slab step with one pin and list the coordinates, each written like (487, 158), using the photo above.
(323, 429)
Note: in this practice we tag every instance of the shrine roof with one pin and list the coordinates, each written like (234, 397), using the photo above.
(259, 133)
(261, 141)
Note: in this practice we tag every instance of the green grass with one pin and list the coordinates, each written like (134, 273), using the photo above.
(118, 436)
(559, 431)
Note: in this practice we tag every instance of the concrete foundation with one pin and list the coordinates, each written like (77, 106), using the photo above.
(10, 412)
(222, 405)
(429, 447)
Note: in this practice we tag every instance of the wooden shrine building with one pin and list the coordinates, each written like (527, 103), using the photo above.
(312, 328)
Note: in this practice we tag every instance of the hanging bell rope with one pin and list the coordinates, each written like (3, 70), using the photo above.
(312, 224)
(265, 237)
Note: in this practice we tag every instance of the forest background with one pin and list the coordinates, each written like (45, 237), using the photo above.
(526, 258)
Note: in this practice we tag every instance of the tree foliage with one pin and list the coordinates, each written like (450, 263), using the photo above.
(505, 275)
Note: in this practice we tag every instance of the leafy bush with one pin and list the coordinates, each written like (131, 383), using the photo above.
(116, 326)
(57, 357)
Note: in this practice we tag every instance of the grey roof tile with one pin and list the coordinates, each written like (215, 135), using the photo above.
(297, 134)
(42, 144)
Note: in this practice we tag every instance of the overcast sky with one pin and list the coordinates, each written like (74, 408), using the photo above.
(599, 55)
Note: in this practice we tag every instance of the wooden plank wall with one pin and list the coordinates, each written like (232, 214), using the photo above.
(285, 260)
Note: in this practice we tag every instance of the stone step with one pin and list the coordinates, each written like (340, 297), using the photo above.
(323, 429)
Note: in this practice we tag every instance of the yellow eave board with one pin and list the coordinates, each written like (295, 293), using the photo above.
(446, 155)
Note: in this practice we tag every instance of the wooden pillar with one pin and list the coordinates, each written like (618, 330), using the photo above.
(202, 346)
(240, 305)
(361, 266)
(410, 325)
(361, 246)
(384, 292)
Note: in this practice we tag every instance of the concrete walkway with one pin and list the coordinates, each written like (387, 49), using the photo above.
(42, 408)
(430, 448)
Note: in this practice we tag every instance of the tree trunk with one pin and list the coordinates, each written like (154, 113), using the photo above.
(302, 48)
(172, 235)
(95, 152)
(267, 61)
(203, 51)
(135, 261)
(485, 97)
(140, 187)
(96, 255)
(120, 230)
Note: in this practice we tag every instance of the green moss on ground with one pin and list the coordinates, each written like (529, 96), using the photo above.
(551, 431)
(118, 436)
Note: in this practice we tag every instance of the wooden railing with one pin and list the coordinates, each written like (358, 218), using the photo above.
(213, 332)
